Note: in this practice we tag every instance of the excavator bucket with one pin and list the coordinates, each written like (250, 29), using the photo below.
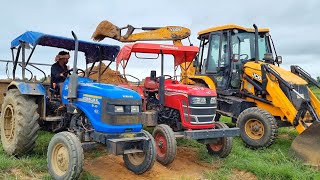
(306, 146)
(106, 29)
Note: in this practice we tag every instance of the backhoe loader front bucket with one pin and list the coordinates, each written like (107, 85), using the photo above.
(306, 146)
(106, 29)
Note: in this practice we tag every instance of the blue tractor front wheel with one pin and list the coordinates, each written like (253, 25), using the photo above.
(142, 161)
(65, 156)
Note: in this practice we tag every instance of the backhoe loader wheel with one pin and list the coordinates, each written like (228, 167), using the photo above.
(166, 144)
(142, 161)
(65, 156)
(224, 145)
(18, 123)
(258, 128)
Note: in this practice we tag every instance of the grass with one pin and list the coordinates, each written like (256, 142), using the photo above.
(274, 162)
(33, 165)
(316, 91)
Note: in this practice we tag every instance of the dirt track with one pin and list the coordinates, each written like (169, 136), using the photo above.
(185, 166)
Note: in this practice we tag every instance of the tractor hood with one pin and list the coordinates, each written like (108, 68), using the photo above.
(88, 86)
(108, 91)
(176, 86)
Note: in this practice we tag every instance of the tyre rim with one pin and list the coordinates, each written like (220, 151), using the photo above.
(254, 129)
(161, 145)
(217, 146)
(136, 158)
(9, 123)
(60, 159)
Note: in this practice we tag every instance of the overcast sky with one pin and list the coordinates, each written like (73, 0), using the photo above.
(294, 25)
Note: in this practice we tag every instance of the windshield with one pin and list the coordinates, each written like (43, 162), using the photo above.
(244, 44)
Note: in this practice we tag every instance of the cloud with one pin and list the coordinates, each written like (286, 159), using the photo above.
(294, 25)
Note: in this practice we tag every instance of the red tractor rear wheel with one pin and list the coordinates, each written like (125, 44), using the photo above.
(166, 144)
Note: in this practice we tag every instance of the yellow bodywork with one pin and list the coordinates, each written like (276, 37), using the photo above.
(230, 26)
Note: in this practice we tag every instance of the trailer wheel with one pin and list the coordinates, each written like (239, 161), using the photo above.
(224, 145)
(258, 128)
(18, 123)
(65, 156)
(141, 162)
(166, 144)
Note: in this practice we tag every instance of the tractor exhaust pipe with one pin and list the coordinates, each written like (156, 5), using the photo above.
(73, 82)
(161, 83)
(256, 46)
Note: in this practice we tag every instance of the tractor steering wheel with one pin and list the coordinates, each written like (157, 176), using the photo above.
(158, 78)
(125, 75)
(169, 77)
(79, 71)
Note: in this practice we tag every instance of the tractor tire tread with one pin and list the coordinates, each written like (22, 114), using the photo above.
(26, 119)
(171, 143)
(268, 120)
(76, 155)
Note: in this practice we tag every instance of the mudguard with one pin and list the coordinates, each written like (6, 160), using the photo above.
(28, 88)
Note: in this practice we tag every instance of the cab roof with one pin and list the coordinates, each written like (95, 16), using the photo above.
(230, 26)
(91, 50)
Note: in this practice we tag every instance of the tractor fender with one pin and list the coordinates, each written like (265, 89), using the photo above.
(28, 88)
(205, 80)
(31, 89)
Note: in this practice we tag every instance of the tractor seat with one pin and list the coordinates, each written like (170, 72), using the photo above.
(150, 84)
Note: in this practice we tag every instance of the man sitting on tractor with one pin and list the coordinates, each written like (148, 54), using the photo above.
(58, 71)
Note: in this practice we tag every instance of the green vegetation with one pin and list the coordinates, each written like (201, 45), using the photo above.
(274, 162)
(33, 165)
(316, 91)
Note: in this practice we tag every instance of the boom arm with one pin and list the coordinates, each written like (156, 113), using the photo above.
(302, 73)
(107, 29)
(167, 33)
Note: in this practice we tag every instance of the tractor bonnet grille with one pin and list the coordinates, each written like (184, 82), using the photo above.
(199, 114)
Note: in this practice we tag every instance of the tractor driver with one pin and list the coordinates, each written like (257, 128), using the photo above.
(58, 71)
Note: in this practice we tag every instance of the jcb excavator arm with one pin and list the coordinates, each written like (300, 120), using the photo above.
(167, 33)
(174, 33)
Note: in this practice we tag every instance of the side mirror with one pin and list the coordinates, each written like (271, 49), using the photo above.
(279, 59)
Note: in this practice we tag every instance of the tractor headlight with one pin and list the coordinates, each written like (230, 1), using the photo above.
(134, 109)
(198, 100)
(213, 100)
(118, 109)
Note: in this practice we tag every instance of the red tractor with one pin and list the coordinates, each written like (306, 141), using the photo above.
(175, 109)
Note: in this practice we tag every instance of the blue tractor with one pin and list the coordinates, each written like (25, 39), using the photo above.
(86, 111)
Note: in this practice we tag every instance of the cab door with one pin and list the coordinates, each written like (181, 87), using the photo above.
(217, 63)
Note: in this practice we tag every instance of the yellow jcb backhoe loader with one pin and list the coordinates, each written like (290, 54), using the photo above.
(255, 92)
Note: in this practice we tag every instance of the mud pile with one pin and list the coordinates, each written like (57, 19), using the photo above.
(109, 76)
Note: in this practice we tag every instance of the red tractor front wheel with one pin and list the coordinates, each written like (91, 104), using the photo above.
(166, 144)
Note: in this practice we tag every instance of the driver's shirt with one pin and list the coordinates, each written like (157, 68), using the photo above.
(56, 70)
